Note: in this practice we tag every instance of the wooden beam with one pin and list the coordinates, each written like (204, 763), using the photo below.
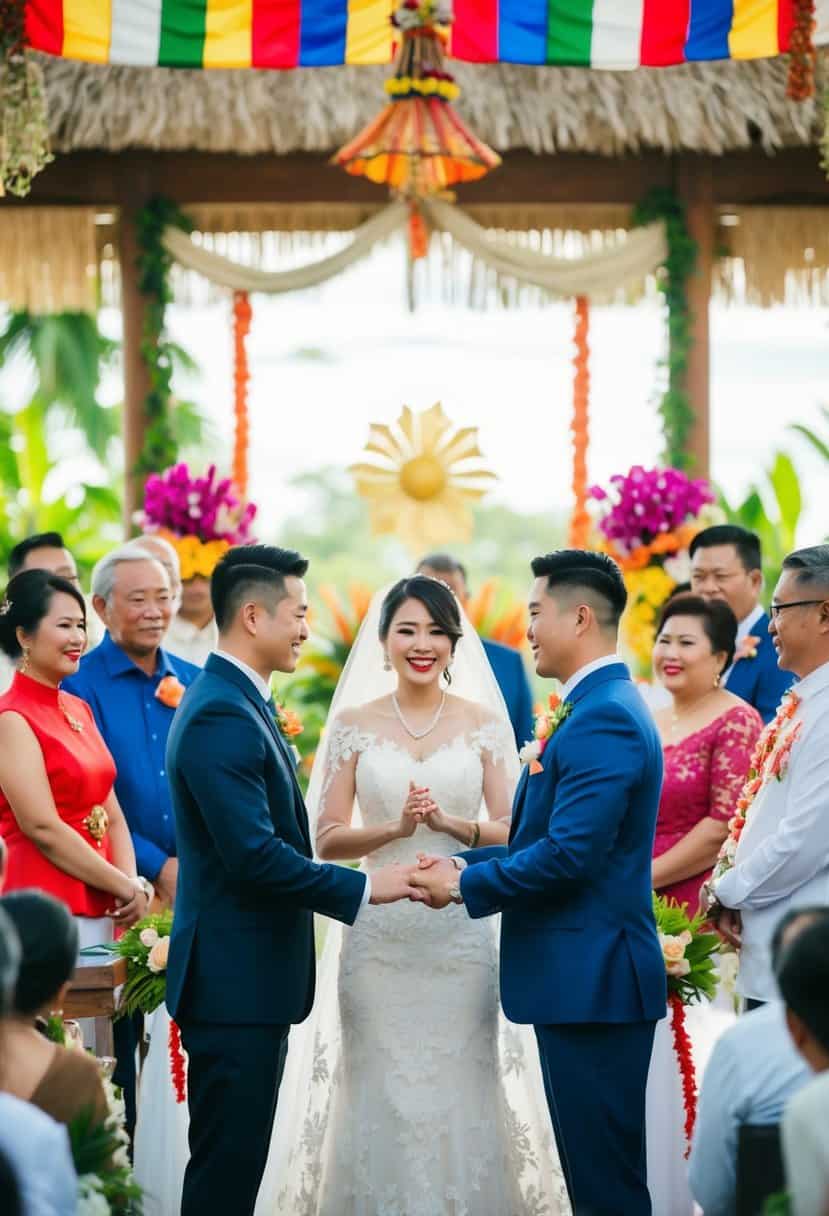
(793, 176)
(136, 376)
(695, 186)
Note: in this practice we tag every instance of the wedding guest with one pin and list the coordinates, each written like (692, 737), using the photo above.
(753, 1071)
(506, 663)
(132, 685)
(61, 820)
(193, 632)
(164, 552)
(44, 551)
(62, 1082)
(708, 736)
(781, 860)
(727, 564)
(36, 1147)
(804, 981)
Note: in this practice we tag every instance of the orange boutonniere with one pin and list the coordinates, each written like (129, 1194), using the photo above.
(747, 648)
(289, 722)
(547, 723)
(169, 692)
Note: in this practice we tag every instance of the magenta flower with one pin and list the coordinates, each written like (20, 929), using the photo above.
(643, 503)
(196, 506)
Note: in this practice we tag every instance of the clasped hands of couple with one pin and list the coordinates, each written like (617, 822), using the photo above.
(434, 880)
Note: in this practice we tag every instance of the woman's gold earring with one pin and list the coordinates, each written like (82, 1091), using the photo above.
(717, 679)
(24, 666)
(386, 663)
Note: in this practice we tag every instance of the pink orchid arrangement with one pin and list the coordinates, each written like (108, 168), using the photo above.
(205, 507)
(645, 504)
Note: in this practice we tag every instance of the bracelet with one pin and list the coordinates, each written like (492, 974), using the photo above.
(476, 836)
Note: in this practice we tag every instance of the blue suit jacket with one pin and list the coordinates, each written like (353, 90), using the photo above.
(242, 947)
(578, 938)
(759, 680)
(508, 669)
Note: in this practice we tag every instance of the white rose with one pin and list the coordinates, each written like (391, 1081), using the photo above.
(673, 948)
(679, 968)
(530, 751)
(148, 938)
(685, 937)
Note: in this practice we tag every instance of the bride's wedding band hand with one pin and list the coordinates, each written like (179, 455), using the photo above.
(391, 883)
(413, 810)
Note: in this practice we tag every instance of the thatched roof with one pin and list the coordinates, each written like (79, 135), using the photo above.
(706, 107)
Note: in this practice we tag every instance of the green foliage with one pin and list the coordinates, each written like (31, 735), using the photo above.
(672, 920)
(772, 509)
(95, 1147)
(816, 441)
(675, 406)
(144, 989)
(159, 353)
(778, 1204)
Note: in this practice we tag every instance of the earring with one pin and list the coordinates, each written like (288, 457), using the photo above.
(717, 679)
(24, 666)
(386, 663)
(447, 673)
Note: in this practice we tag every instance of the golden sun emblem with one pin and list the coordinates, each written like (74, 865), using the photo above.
(421, 488)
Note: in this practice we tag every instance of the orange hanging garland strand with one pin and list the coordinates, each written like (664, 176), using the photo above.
(241, 376)
(801, 83)
(580, 519)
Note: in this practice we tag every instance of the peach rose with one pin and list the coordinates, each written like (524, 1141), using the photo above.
(542, 728)
(148, 937)
(157, 958)
(673, 948)
(679, 968)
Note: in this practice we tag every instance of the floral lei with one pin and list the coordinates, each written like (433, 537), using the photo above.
(770, 760)
(547, 723)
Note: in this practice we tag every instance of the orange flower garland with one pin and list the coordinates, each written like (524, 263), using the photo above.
(177, 1063)
(684, 1055)
(801, 82)
(241, 376)
(580, 520)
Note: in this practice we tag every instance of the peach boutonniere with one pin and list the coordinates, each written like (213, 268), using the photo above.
(170, 691)
(289, 725)
(747, 648)
(547, 722)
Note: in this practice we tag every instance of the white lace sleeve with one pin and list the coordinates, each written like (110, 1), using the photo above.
(494, 742)
(346, 740)
(495, 739)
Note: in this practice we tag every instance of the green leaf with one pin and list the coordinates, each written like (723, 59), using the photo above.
(784, 482)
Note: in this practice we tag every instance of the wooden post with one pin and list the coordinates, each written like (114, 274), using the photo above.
(136, 378)
(696, 189)
(93, 993)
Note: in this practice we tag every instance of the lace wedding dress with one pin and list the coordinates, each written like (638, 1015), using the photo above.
(418, 1099)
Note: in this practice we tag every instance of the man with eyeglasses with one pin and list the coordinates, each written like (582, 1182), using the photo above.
(46, 551)
(782, 856)
(726, 564)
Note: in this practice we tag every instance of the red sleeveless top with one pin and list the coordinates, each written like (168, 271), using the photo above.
(81, 774)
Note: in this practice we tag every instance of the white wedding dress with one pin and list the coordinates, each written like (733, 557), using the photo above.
(417, 1099)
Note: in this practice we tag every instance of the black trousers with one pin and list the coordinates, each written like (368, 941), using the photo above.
(126, 1034)
(753, 1003)
(595, 1076)
(233, 1080)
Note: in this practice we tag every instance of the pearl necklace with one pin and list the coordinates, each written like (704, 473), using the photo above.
(417, 734)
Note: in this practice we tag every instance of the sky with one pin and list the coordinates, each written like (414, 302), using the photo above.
(326, 363)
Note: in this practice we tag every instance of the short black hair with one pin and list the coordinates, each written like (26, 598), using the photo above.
(587, 570)
(438, 600)
(42, 540)
(811, 566)
(443, 563)
(9, 961)
(718, 621)
(803, 977)
(249, 571)
(26, 602)
(48, 939)
(747, 544)
(809, 913)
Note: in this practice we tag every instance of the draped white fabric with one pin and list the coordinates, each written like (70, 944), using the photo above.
(599, 273)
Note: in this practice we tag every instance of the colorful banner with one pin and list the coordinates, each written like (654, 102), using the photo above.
(323, 33)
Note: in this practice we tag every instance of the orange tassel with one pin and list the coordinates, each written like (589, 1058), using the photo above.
(241, 376)
(418, 235)
(580, 521)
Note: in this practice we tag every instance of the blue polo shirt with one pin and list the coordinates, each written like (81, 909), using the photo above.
(135, 725)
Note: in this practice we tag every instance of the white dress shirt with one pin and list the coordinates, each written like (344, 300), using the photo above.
(263, 688)
(607, 660)
(744, 628)
(806, 1148)
(192, 642)
(782, 859)
(753, 1071)
(38, 1149)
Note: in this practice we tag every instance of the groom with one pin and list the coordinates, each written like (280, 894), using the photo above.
(580, 958)
(241, 965)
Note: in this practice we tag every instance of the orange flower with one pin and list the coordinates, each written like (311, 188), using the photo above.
(169, 692)
(554, 700)
(290, 722)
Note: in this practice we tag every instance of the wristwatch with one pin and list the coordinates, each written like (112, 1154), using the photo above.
(455, 891)
(147, 887)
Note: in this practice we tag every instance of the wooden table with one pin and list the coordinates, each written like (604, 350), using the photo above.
(92, 994)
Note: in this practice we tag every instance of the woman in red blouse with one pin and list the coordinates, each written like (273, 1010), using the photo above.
(65, 832)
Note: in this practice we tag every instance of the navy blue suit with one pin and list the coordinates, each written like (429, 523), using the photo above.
(511, 674)
(759, 680)
(580, 958)
(241, 965)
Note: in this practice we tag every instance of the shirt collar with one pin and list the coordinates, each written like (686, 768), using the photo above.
(181, 628)
(261, 686)
(748, 622)
(607, 660)
(813, 683)
(118, 662)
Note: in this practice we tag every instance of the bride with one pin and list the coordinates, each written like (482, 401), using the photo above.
(405, 1093)
(403, 1101)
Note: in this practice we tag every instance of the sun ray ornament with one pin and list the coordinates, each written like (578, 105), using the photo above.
(424, 479)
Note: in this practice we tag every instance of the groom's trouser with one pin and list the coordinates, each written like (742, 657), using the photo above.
(595, 1076)
(233, 1079)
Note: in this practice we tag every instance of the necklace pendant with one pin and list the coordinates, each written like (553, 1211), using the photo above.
(74, 724)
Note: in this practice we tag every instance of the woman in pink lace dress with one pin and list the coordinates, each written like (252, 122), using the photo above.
(708, 736)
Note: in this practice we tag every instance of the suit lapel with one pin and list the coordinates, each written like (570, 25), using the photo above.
(282, 747)
(518, 801)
